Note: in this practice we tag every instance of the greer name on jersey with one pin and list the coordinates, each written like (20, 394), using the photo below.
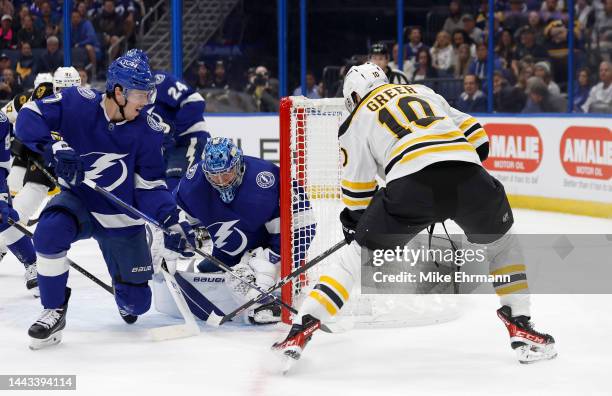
(397, 130)
(123, 157)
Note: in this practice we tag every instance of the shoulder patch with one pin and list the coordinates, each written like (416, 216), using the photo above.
(159, 78)
(156, 126)
(3, 117)
(86, 93)
(265, 179)
(191, 171)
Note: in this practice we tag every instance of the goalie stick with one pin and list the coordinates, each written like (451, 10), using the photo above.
(74, 265)
(216, 320)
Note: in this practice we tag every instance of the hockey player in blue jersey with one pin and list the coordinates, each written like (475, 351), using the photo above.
(109, 139)
(236, 198)
(19, 244)
(182, 109)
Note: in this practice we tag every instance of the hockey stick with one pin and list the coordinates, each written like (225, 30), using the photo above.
(74, 265)
(112, 197)
(216, 320)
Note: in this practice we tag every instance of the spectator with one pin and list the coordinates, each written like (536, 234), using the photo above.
(516, 17)
(109, 24)
(48, 22)
(414, 44)
(6, 7)
(529, 47)
(7, 35)
(219, 79)
(379, 55)
(312, 90)
(585, 16)
(469, 26)
(581, 90)
(535, 23)
(52, 58)
(602, 30)
(81, 7)
(461, 37)
(84, 36)
(471, 100)
(506, 99)
(542, 70)
(84, 77)
(30, 34)
(408, 66)
(25, 64)
(541, 100)
(505, 47)
(525, 71)
(442, 54)
(5, 62)
(10, 85)
(551, 11)
(600, 96)
(482, 15)
(127, 11)
(261, 92)
(35, 8)
(453, 21)
(479, 65)
(202, 80)
(23, 11)
(463, 60)
(423, 68)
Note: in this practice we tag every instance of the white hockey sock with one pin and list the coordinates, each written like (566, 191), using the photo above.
(29, 199)
(333, 287)
(15, 179)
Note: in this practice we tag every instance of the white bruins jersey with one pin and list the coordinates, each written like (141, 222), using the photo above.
(398, 130)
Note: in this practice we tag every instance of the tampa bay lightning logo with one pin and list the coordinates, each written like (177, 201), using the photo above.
(156, 126)
(265, 179)
(159, 78)
(86, 93)
(191, 171)
(109, 168)
(228, 238)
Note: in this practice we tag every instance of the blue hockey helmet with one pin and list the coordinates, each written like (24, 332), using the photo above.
(132, 73)
(223, 166)
(138, 53)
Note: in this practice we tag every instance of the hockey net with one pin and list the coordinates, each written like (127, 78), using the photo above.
(311, 159)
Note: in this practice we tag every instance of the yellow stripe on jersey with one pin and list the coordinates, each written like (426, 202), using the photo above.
(437, 149)
(509, 269)
(356, 202)
(323, 301)
(335, 284)
(357, 186)
(444, 136)
(465, 125)
(477, 136)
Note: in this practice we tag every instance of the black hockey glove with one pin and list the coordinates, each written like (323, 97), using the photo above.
(349, 219)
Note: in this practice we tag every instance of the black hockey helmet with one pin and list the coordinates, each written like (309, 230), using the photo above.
(379, 49)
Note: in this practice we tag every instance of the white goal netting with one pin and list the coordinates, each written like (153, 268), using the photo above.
(312, 163)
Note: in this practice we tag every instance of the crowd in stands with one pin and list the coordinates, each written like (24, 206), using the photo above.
(530, 59)
(31, 37)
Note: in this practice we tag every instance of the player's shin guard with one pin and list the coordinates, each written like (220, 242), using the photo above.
(52, 280)
(29, 199)
(530, 345)
(506, 258)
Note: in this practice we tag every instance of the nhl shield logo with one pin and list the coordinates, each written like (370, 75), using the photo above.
(265, 179)
(86, 93)
(191, 171)
(159, 78)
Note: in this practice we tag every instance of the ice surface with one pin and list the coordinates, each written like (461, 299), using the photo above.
(468, 356)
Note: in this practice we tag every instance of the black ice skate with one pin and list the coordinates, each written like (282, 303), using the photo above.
(530, 346)
(266, 314)
(296, 340)
(127, 317)
(31, 279)
(47, 330)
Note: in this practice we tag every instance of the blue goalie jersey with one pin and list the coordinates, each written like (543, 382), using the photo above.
(250, 221)
(180, 106)
(123, 157)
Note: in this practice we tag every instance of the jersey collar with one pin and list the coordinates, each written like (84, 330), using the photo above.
(106, 114)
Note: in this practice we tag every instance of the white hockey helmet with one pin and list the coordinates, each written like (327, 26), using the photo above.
(42, 78)
(360, 80)
(65, 77)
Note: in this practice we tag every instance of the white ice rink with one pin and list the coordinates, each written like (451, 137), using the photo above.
(468, 356)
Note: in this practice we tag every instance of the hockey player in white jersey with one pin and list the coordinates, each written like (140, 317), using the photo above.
(429, 154)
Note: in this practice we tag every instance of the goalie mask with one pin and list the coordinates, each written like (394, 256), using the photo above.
(223, 167)
(360, 80)
(65, 77)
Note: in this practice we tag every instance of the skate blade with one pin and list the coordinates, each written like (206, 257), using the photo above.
(530, 354)
(35, 292)
(36, 344)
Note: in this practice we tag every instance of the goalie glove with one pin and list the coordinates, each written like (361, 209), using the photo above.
(264, 265)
